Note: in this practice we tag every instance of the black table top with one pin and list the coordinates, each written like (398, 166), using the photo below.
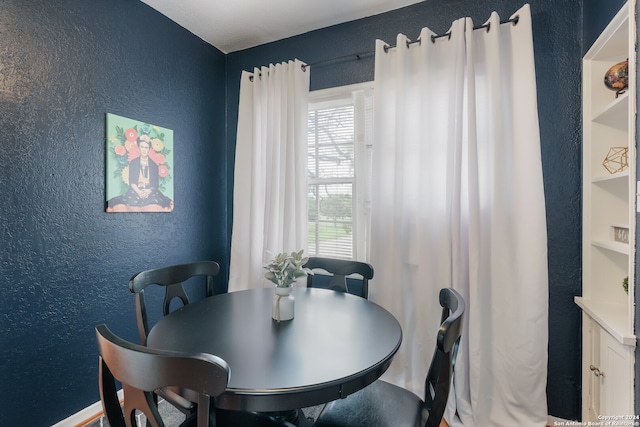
(335, 345)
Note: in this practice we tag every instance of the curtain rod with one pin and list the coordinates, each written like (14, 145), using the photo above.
(513, 20)
(359, 55)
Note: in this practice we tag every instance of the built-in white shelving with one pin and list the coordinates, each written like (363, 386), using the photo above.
(609, 205)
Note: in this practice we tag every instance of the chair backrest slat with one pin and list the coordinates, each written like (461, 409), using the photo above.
(438, 380)
(172, 279)
(340, 269)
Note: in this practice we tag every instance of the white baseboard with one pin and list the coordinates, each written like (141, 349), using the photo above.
(82, 417)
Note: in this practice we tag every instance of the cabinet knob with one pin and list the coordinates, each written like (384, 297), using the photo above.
(597, 372)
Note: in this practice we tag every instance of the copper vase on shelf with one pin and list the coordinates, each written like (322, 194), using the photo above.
(617, 77)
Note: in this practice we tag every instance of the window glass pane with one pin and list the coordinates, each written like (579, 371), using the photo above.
(334, 125)
(335, 161)
(338, 159)
(330, 220)
(334, 201)
(331, 171)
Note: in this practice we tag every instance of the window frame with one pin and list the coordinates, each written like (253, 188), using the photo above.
(356, 95)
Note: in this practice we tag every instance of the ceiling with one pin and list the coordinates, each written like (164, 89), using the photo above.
(232, 25)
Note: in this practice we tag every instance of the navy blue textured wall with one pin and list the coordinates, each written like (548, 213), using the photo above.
(557, 28)
(597, 14)
(64, 262)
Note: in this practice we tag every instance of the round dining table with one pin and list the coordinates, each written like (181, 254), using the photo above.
(335, 345)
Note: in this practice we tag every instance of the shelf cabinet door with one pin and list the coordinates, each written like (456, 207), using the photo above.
(615, 382)
(592, 356)
(610, 387)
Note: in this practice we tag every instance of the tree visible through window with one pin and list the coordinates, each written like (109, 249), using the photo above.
(335, 174)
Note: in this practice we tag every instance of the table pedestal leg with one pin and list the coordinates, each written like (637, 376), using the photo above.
(294, 416)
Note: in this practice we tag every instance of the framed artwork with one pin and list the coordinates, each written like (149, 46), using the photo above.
(139, 166)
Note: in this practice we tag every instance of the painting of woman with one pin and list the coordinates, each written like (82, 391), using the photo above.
(138, 168)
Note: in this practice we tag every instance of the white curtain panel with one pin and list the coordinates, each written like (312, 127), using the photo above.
(270, 177)
(458, 202)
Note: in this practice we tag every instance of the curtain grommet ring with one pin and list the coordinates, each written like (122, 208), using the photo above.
(447, 35)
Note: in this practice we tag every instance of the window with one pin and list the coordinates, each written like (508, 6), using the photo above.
(339, 157)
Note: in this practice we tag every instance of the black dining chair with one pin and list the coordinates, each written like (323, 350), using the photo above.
(141, 370)
(383, 404)
(172, 279)
(338, 271)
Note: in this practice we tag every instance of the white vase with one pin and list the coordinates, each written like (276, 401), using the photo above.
(283, 304)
